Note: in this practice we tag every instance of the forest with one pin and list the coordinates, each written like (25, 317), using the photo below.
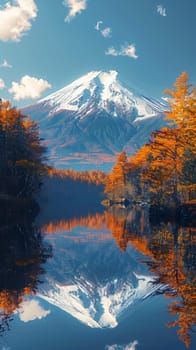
(163, 171)
(23, 162)
(22, 154)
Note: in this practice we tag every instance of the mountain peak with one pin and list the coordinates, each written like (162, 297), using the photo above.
(108, 77)
(105, 76)
(96, 113)
(100, 90)
(94, 82)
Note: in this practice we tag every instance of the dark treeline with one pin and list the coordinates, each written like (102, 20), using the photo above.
(22, 249)
(96, 177)
(21, 154)
(23, 170)
(162, 172)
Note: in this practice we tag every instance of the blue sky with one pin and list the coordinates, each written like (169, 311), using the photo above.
(44, 45)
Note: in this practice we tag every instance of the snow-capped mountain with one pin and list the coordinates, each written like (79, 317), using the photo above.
(98, 306)
(101, 91)
(96, 114)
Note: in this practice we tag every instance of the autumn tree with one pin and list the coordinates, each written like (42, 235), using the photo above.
(183, 116)
(117, 181)
(21, 153)
(165, 164)
(138, 164)
(163, 171)
(183, 108)
(96, 177)
(168, 161)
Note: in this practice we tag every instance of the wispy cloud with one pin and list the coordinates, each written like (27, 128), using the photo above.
(15, 19)
(126, 50)
(98, 25)
(130, 346)
(106, 32)
(129, 50)
(112, 51)
(75, 7)
(28, 87)
(5, 64)
(161, 10)
(31, 310)
(2, 84)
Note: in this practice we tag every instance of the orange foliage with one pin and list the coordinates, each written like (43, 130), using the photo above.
(166, 247)
(92, 176)
(94, 222)
(10, 301)
(164, 169)
(119, 175)
(141, 158)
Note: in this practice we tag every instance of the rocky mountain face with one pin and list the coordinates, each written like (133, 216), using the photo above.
(93, 118)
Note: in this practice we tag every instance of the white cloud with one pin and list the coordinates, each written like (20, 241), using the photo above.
(98, 25)
(112, 52)
(2, 84)
(106, 32)
(15, 19)
(5, 64)
(31, 310)
(128, 50)
(130, 346)
(75, 7)
(161, 10)
(28, 87)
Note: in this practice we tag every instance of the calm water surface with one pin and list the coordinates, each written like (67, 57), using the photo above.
(107, 281)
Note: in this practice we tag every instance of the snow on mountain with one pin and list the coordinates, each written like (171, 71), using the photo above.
(100, 90)
(93, 117)
(98, 306)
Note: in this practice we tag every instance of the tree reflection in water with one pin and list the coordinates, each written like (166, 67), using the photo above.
(22, 255)
(169, 251)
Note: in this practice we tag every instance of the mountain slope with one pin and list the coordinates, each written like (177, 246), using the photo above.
(95, 114)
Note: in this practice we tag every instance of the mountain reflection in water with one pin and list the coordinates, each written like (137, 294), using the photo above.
(101, 266)
(105, 278)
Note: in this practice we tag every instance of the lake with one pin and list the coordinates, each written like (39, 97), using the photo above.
(103, 280)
